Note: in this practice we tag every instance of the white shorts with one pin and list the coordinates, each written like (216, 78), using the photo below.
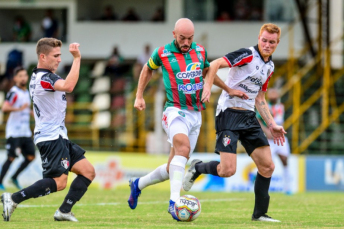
(177, 121)
(278, 149)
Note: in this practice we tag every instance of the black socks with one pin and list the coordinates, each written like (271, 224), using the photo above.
(25, 163)
(207, 168)
(76, 191)
(262, 198)
(4, 169)
(40, 188)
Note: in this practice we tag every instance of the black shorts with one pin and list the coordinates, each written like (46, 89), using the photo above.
(233, 125)
(24, 143)
(58, 156)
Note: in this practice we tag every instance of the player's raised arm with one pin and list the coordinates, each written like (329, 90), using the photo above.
(277, 131)
(69, 83)
(145, 76)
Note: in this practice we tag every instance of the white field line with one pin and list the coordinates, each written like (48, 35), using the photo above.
(120, 203)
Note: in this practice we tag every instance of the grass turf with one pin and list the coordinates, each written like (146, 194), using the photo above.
(109, 209)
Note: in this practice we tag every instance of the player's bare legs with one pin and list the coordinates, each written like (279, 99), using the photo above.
(86, 173)
(4, 170)
(262, 158)
(27, 160)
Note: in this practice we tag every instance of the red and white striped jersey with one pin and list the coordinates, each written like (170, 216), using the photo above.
(248, 73)
(18, 123)
(49, 106)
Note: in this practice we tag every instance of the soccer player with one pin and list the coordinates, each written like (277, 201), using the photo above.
(58, 154)
(18, 132)
(184, 64)
(250, 71)
(283, 151)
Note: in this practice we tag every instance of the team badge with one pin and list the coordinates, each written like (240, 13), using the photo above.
(200, 57)
(226, 140)
(65, 163)
(181, 113)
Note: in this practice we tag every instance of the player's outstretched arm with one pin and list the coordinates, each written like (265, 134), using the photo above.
(232, 92)
(6, 107)
(145, 77)
(69, 83)
(277, 131)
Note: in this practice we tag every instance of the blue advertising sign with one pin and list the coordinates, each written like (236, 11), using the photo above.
(324, 173)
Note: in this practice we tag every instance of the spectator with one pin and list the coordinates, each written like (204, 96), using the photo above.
(224, 16)
(142, 59)
(158, 15)
(21, 30)
(50, 24)
(108, 15)
(114, 63)
(131, 15)
(242, 10)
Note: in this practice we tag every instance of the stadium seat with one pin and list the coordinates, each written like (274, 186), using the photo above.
(83, 85)
(118, 102)
(100, 85)
(101, 120)
(98, 69)
(84, 98)
(101, 101)
(118, 85)
(84, 70)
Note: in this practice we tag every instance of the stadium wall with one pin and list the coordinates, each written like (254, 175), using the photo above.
(308, 173)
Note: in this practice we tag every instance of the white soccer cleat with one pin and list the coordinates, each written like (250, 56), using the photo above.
(265, 218)
(191, 175)
(59, 216)
(8, 206)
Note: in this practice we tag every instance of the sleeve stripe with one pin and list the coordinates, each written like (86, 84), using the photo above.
(47, 86)
(245, 60)
(15, 97)
(229, 63)
(265, 85)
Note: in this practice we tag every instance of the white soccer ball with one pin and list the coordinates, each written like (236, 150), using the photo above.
(187, 208)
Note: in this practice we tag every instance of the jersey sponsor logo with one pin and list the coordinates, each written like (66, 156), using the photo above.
(64, 97)
(192, 71)
(256, 81)
(165, 52)
(152, 64)
(190, 88)
(173, 60)
(164, 120)
(199, 48)
(226, 140)
(247, 89)
(65, 163)
(240, 57)
(181, 113)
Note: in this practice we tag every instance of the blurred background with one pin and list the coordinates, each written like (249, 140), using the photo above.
(117, 38)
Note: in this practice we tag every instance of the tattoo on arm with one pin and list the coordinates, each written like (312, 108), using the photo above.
(265, 113)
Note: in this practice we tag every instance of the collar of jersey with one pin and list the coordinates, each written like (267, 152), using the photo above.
(175, 49)
(257, 49)
(35, 70)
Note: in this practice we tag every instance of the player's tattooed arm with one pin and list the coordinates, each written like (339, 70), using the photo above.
(263, 109)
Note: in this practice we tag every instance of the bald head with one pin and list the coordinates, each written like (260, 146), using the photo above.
(183, 33)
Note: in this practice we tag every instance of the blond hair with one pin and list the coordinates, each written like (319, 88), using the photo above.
(271, 28)
(44, 45)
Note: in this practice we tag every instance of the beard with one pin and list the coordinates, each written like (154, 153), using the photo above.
(180, 47)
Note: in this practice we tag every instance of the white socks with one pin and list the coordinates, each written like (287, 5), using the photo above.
(286, 178)
(160, 174)
(177, 170)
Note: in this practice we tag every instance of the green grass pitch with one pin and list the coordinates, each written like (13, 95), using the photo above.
(109, 209)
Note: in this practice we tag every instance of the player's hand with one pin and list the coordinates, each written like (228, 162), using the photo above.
(74, 50)
(237, 93)
(23, 107)
(140, 104)
(206, 95)
(278, 133)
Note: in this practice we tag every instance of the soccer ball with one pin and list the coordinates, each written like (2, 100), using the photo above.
(187, 208)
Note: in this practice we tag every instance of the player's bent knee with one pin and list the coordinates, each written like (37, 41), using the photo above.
(30, 158)
(10, 159)
(267, 170)
(227, 172)
(90, 173)
(61, 185)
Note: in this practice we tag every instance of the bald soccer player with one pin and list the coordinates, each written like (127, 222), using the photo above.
(183, 63)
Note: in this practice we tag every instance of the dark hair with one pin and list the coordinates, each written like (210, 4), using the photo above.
(44, 45)
(18, 69)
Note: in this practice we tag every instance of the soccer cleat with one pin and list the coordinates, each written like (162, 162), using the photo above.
(134, 192)
(59, 216)
(8, 206)
(265, 218)
(288, 193)
(191, 175)
(16, 183)
(172, 210)
(2, 187)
